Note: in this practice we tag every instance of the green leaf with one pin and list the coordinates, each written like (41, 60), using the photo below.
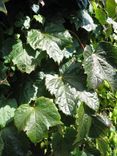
(44, 42)
(83, 122)
(24, 57)
(27, 92)
(2, 7)
(15, 143)
(103, 145)
(65, 95)
(7, 109)
(37, 119)
(49, 43)
(1, 146)
(100, 14)
(100, 125)
(90, 99)
(84, 20)
(3, 75)
(39, 18)
(111, 7)
(97, 69)
(109, 52)
(113, 23)
(63, 144)
(72, 73)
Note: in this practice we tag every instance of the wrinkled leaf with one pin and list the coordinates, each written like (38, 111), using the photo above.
(90, 99)
(51, 43)
(65, 95)
(98, 69)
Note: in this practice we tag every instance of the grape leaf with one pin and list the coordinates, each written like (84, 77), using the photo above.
(1, 146)
(65, 95)
(7, 109)
(2, 7)
(97, 69)
(83, 122)
(49, 43)
(84, 20)
(37, 119)
(24, 57)
(90, 99)
(111, 8)
(15, 143)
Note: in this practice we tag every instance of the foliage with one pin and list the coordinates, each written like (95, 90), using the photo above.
(58, 78)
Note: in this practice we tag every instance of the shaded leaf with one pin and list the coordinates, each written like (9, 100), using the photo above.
(103, 145)
(109, 51)
(83, 121)
(3, 75)
(62, 145)
(84, 20)
(73, 74)
(100, 125)
(15, 143)
(1, 146)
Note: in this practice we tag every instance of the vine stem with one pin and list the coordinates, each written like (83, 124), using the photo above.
(74, 34)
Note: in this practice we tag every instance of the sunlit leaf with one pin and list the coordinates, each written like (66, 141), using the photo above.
(98, 69)
(37, 119)
(65, 95)
(7, 109)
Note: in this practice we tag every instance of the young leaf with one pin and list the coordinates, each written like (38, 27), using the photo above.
(37, 119)
(111, 8)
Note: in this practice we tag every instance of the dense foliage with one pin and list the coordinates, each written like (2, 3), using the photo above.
(58, 78)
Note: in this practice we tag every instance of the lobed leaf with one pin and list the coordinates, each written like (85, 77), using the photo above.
(65, 95)
(7, 109)
(97, 69)
(37, 119)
